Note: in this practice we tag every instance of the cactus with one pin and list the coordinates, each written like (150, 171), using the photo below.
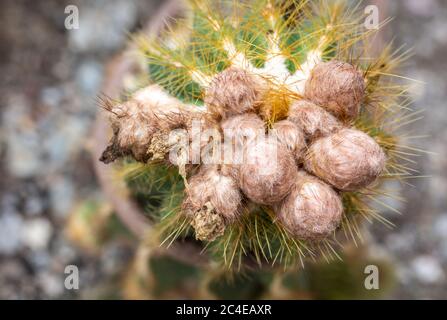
(317, 119)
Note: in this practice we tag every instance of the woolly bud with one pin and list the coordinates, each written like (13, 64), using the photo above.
(314, 120)
(207, 224)
(213, 201)
(169, 111)
(348, 160)
(204, 134)
(132, 132)
(233, 91)
(243, 128)
(268, 173)
(135, 122)
(231, 170)
(291, 136)
(338, 87)
(312, 210)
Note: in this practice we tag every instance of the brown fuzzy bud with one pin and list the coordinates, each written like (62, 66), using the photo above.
(203, 134)
(233, 91)
(230, 170)
(268, 173)
(291, 136)
(133, 128)
(348, 160)
(135, 122)
(168, 111)
(209, 185)
(314, 120)
(312, 210)
(338, 87)
(162, 142)
(159, 145)
(243, 128)
(207, 223)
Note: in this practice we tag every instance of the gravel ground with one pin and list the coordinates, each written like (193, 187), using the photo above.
(418, 243)
(50, 80)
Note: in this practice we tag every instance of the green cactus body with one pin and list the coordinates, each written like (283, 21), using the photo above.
(279, 42)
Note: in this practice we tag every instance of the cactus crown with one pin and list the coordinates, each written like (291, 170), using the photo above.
(280, 43)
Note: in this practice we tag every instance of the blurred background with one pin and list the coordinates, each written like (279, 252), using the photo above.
(50, 80)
